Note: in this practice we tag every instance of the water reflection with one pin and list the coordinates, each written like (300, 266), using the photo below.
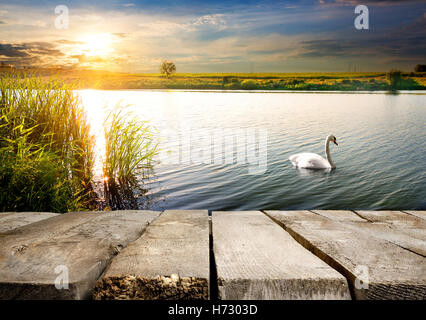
(314, 173)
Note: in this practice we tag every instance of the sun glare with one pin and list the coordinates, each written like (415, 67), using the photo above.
(97, 44)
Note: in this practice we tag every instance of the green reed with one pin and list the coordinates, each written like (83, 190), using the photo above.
(129, 152)
(46, 149)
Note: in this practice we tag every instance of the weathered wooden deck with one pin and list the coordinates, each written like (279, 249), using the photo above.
(178, 254)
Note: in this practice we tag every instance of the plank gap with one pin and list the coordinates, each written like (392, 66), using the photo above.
(318, 253)
(214, 291)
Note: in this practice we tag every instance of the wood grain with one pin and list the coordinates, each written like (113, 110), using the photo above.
(83, 242)
(256, 259)
(393, 272)
(169, 261)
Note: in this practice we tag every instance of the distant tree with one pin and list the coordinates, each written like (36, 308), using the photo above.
(420, 68)
(394, 77)
(167, 67)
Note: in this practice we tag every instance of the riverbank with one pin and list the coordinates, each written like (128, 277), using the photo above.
(360, 81)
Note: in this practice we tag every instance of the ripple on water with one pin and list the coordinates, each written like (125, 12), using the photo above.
(380, 158)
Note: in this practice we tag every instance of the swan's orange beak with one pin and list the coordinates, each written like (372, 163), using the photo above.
(335, 142)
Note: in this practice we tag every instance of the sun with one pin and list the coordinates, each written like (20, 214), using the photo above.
(96, 44)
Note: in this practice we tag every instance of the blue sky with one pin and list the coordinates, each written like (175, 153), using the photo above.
(215, 36)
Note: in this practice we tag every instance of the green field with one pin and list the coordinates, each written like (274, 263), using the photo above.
(371, 81)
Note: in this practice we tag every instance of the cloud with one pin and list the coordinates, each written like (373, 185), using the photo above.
(85, 60)
(12, 50)
(207, 36)
(401, 44)
(30, 53)
(120, 34)
(217, 20)
(154, 27)
(82, 58)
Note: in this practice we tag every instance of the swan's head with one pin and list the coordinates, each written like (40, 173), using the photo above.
(332, 139)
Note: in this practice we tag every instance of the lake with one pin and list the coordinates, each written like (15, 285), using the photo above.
(229, 150)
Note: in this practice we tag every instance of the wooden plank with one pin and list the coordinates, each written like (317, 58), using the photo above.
(340, 215)
(393, 217)
(169, 261)
(79, 245)
(13, 220)
(406, 231)
(419, 214)
(410, 226)
(256, 259)
(390, 271)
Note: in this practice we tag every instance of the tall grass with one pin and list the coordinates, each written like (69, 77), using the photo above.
(46, 148)
(129, 151)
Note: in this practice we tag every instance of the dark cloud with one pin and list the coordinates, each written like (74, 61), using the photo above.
(29, 53)
(406, 43)
(324, 48)
(43, 48)
(12, 50)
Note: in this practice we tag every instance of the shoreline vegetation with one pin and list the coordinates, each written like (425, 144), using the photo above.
(47, 150)
(345, 81)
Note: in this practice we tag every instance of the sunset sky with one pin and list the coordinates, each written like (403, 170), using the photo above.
(215, 36)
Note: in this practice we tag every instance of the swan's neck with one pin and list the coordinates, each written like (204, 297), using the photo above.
(327, 152)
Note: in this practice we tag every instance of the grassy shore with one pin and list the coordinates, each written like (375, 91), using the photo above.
(370, 81)
(47, 150)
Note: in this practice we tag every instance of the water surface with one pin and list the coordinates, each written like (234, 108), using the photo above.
(380, 159)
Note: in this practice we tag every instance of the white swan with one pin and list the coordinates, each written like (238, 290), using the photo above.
(315, 161)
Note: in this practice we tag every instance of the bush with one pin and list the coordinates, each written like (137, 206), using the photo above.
(394, 78)
(249, 85)
(294, 82)
(420, 68)
(36, 183)
(233, 85)
(226, 80)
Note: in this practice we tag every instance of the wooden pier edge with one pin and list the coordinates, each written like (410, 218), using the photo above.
(62, 257)
(256, 259)
(378, 264)
(169, 261)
